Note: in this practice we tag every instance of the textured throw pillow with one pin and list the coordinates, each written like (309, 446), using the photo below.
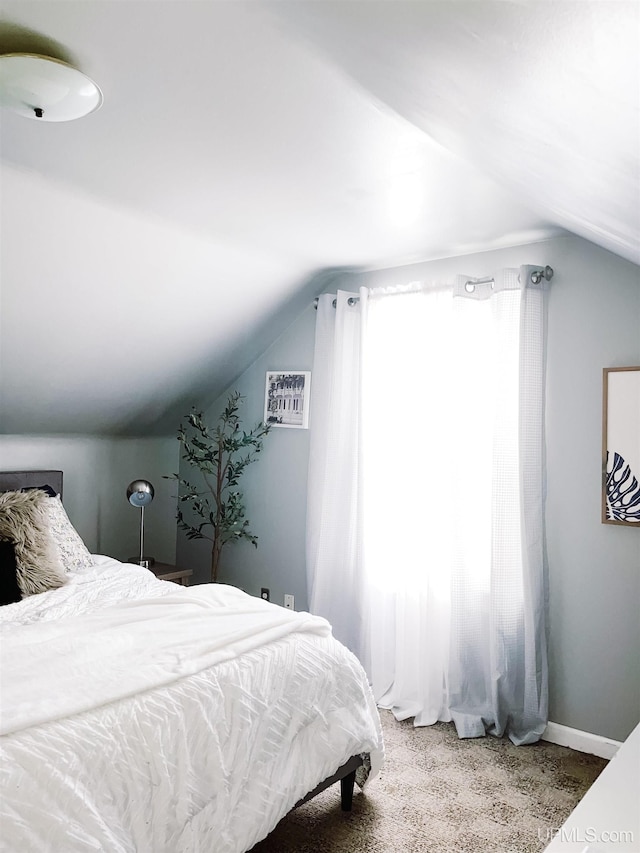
(24, 522)
(73, 553)
(9, 589)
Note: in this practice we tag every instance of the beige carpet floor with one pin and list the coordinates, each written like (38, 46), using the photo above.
(439, 794)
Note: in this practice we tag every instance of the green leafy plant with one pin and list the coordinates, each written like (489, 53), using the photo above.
(221, 455)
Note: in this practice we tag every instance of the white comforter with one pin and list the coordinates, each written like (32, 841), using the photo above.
(141, 716)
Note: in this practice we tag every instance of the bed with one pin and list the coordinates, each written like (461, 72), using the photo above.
(138, 715)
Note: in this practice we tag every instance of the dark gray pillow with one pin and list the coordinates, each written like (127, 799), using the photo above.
(47, 489)
(9, 589)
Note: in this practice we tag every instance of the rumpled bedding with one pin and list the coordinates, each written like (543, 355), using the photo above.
(143, 716)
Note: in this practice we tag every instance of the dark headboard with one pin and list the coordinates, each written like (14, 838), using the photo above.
(11, 481)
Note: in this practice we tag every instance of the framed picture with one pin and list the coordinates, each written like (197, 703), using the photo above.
(286, 398)
(621, 446)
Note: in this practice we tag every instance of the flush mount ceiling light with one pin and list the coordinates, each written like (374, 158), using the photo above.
(46, 89)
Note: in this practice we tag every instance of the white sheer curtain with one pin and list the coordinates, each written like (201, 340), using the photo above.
(334, 518)
(425, 520)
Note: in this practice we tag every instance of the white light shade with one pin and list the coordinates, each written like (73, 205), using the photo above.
(46, 89)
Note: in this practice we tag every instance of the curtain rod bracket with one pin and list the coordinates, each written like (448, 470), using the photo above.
(538, 275)
(351, 301)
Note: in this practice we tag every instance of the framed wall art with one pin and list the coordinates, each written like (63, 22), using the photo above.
(621, 446)
(286, 398)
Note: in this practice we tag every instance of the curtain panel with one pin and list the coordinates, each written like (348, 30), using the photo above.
(425, 539)
(334, 514)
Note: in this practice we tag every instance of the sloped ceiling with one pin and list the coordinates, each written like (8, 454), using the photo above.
(244, 151)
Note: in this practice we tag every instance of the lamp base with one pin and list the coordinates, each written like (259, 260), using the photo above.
(146, 563)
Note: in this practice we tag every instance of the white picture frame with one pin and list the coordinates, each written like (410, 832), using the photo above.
(287, 394)
(621, 446)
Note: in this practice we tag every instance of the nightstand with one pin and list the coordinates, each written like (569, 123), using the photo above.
(167, 572)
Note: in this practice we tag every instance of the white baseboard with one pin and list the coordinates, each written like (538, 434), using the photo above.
(582, 741)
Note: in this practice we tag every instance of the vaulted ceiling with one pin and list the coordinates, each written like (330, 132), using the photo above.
(244, 151)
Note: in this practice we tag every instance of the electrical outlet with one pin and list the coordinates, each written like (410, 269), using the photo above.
(264, 594)
(288, 602)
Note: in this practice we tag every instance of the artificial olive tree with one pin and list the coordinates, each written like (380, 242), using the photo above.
(221, 455)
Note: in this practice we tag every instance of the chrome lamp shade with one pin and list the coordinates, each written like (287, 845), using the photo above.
(140, 494)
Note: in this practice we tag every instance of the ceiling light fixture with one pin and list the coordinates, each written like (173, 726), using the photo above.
(46, 89)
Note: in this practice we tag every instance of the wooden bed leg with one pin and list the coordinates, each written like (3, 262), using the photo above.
(346, 790)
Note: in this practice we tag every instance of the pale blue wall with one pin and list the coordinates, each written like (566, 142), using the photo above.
(275, 487)
(594, 569)
(97, 472)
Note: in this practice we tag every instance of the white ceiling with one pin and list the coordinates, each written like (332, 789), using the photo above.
(153, 249)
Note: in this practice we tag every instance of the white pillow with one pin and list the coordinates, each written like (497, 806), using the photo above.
(74, 554)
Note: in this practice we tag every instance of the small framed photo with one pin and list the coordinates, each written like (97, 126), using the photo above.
(621, 446)
(286, 398)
